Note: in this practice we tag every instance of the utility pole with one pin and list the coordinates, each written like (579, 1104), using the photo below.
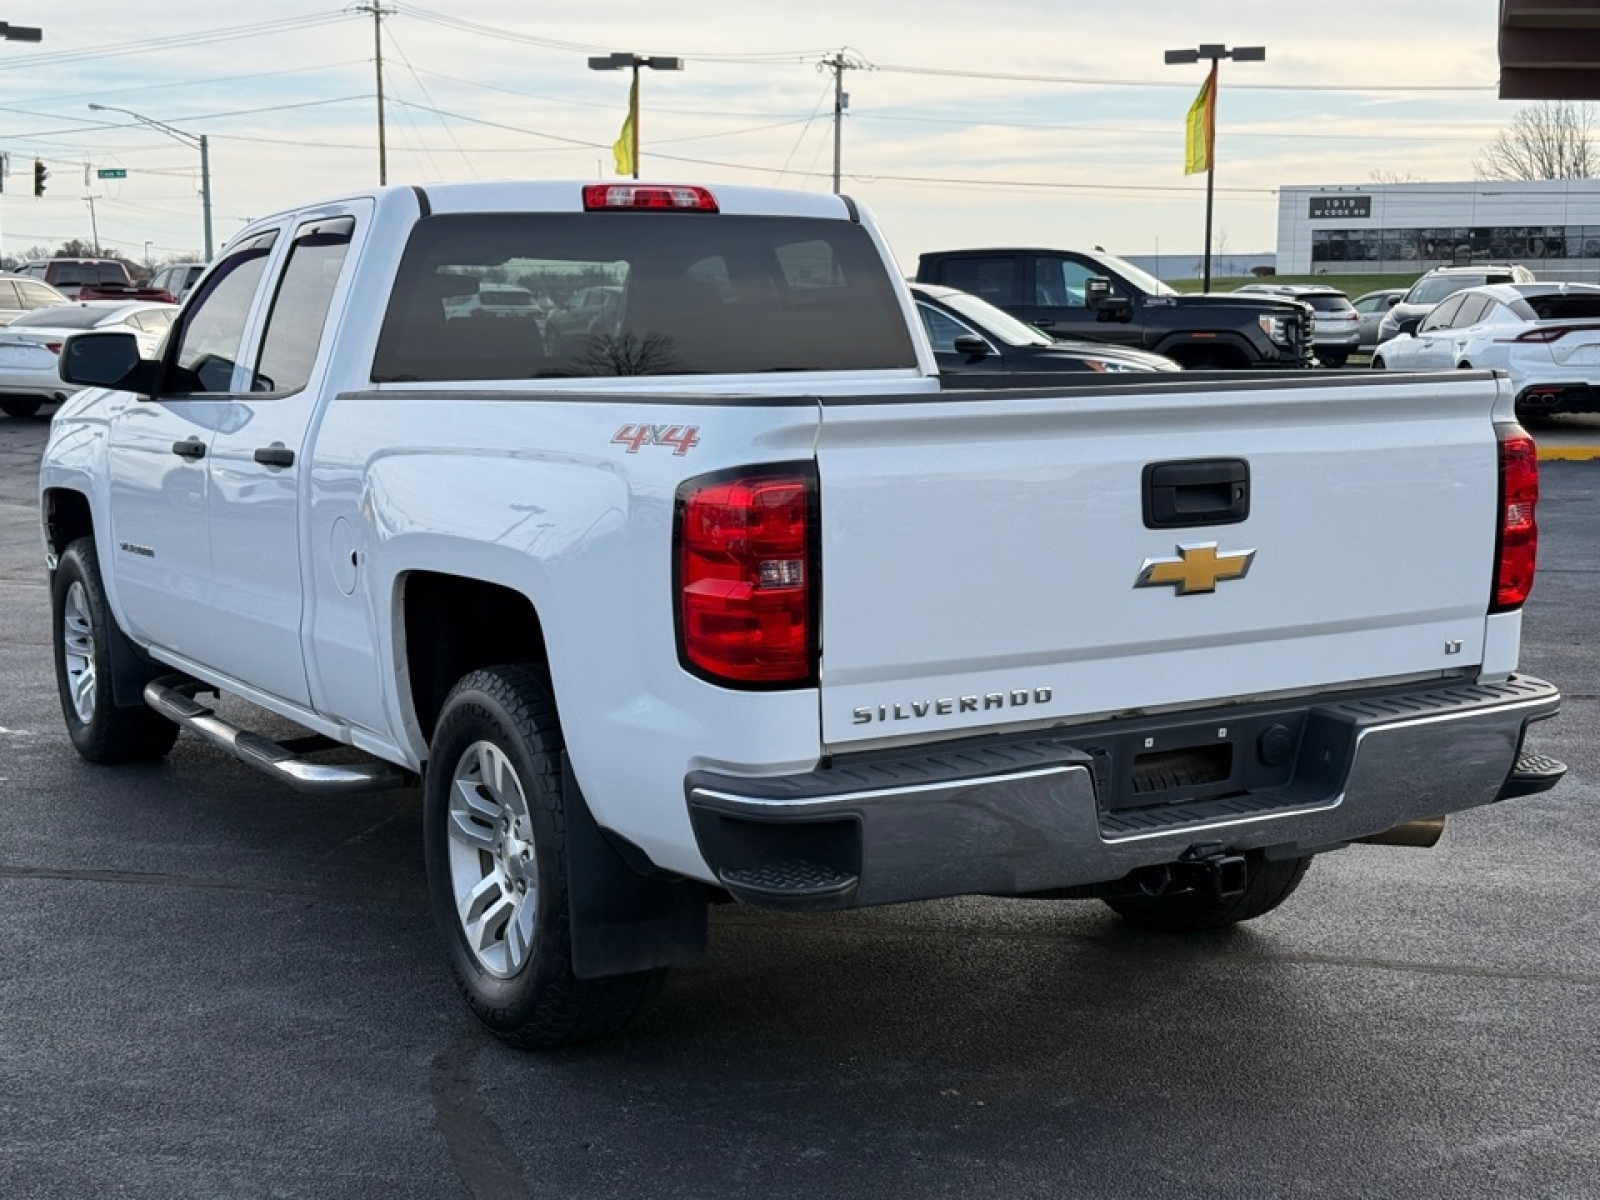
(839, 64)
(198, 141)
(379, 12)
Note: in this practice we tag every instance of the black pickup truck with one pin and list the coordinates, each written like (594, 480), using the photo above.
(1092, 294)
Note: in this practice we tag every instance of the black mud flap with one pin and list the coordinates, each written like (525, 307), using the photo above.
(624, 920)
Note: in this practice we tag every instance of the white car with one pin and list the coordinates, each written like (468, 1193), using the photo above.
(30, 347)
(1545, 336)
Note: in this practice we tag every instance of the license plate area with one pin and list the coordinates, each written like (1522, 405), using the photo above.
(1155, 767)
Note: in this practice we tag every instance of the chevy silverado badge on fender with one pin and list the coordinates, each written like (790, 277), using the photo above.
(683, 580)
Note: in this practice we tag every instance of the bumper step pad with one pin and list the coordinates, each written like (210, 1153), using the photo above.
(1533, 773)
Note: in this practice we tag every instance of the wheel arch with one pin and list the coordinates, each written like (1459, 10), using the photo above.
(452, 625)
(67, 516)
(1223, 353)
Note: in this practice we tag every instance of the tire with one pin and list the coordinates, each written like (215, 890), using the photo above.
(1267, 885)
(83, 633)
(14, 407)
(494, 832)
(1378, 364)
(1333, 360)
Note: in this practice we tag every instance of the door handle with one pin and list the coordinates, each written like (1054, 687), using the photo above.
(191, 448)
(275, 455)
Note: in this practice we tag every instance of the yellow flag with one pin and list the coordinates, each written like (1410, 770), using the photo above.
(1200, 129)
(625, 148)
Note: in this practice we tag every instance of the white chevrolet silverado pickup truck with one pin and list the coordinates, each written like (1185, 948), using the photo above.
(687, 581)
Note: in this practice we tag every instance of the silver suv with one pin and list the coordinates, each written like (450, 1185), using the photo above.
(1335, 324)
(1441, 283)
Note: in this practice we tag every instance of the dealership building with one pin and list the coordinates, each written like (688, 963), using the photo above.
(1550, 226)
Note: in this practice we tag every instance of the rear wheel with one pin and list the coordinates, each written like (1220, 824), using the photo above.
(1267, 885)
(495, 837)
(1333, 360)
(84, 631)
(1377, 363)
(13, 406)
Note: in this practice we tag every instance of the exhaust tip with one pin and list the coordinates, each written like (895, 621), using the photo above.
(1422, 834)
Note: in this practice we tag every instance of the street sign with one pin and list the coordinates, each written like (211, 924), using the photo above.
(111, 173)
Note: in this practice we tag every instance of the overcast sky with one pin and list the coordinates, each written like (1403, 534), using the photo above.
(1011, 121)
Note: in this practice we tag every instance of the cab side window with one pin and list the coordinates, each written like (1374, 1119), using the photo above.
(213, 326)
(300, 308)
(1059, 283)
(994, 279)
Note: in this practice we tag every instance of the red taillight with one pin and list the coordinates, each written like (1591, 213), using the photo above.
(1553, 334)
(746, 578)
(53, 347)
(1517, 543)
(598, 196)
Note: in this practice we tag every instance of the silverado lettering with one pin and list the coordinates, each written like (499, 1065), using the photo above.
(947, 705)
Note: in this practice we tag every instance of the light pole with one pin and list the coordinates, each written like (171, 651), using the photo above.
(189, 139)
(1206, 109)
(619, 61)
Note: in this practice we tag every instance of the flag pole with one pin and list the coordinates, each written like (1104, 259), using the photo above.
(633, 116)
(1203, 112)
(1211, 170)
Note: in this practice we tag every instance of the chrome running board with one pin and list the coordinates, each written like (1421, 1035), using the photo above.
(173, 697)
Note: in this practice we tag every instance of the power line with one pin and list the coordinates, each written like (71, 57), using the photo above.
(20, 62)
(210, 79)
(1300, 135)
(1092, 81)
(498, 34)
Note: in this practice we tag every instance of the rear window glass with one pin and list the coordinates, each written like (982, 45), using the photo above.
(1432, 289)
(639, 294)
(1579, 306)
(1327, 304)
(62, 316)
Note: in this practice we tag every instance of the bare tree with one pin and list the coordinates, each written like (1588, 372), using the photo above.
(1550, 140)
(1382, 175)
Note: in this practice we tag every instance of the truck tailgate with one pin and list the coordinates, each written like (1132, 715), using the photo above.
(982, 554)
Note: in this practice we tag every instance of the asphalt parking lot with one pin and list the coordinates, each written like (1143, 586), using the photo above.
(215, 988)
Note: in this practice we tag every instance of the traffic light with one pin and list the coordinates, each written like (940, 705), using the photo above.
(40, 174)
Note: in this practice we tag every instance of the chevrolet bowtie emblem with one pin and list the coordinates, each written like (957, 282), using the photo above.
(1198, 568)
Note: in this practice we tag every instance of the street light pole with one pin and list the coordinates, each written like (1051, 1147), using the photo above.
(1214, 53)
(189, 139)
(621, 60)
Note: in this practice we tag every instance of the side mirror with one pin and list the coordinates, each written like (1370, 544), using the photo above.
(973, 346)
(1391, 301)
(1106, 305)
(1408, 328)
(108, 358)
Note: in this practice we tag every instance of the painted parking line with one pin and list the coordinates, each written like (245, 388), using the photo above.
(1568, 453)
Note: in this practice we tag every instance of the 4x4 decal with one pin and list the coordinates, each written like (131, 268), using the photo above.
(682, 438)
